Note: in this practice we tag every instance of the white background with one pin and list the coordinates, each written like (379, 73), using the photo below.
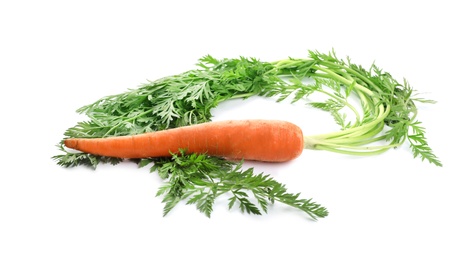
(56, 56)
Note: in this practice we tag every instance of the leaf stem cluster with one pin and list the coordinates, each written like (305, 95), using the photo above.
(388, 115)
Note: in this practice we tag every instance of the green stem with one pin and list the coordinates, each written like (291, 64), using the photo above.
(381, 116)
(344, 102)
(372, 151)
(354, 72)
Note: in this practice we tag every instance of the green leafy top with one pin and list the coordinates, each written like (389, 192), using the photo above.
(200, 179)
(385, 119)
(388, 107)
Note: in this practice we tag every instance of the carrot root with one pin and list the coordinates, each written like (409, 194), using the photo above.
(258, 140)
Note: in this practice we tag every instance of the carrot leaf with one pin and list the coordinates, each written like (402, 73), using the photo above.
(200, 179)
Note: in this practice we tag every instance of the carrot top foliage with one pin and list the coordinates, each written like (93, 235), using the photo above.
(386, 117)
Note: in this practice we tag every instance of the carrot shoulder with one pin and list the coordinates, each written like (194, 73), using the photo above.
(259, 140)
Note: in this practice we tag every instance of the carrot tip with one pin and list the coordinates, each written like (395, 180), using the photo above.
(70, 143)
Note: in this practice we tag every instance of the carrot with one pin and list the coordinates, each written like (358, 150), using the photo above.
(259, 140)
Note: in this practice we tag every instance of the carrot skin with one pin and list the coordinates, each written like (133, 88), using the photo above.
(258, 140)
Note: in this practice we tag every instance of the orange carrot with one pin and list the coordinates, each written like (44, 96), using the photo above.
(259, 140)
